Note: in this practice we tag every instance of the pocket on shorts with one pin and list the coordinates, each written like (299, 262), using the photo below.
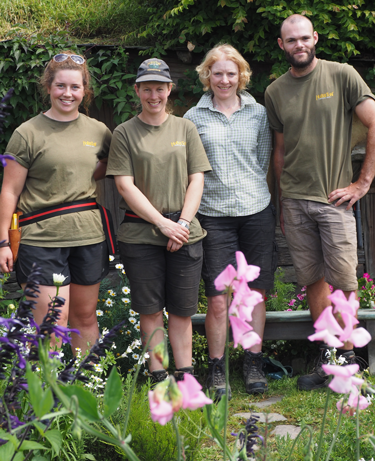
(195, 251)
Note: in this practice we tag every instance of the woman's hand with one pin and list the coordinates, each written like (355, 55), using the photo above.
(6, 260)
(175, 232)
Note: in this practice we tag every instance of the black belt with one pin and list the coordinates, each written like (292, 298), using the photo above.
(73, 207)
(132, 217)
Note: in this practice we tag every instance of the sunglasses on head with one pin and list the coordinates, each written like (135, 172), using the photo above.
(74, 57)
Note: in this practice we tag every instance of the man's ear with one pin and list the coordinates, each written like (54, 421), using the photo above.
(280, 42)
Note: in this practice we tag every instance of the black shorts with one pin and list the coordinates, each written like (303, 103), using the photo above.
(85, 265)
(254, 235)
(159, 278)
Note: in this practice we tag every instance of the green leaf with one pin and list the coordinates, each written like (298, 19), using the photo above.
(88, 456)
(86, 401)
(39, 458)
(40, 426)
(54, 437)
(31, 445)
(112, 394)
(220, 414)
(35, 385)
(19, 457)
(7, 451)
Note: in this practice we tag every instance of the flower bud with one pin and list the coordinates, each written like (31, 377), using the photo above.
(175, 395)
(160, 391)
(161, 353)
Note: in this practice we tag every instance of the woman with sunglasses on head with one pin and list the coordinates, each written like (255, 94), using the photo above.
(158, 162)
(59, 154)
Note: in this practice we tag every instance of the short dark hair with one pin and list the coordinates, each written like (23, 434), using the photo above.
(295, 18)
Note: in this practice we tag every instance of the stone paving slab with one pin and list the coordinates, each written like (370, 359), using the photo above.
(271, 417)
(286, 430)
(268, 402)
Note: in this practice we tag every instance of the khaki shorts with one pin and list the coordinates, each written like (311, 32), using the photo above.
(322, 241)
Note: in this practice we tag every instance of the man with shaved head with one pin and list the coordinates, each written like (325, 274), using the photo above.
(310, 109)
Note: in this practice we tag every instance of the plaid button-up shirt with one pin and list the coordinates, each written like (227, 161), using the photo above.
(239, 150)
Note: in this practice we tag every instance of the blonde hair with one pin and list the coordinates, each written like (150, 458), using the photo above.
(231, 54)
(53, 67)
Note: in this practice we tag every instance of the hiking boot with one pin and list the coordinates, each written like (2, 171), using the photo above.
(159, 375)
(216, 378)
(180, 372)
(317, 378)
(255, 379)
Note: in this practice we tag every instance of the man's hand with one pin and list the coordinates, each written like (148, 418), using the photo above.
(351, 194)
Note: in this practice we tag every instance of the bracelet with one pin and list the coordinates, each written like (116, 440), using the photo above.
(185, 220)
(4, 244)
(183, 224)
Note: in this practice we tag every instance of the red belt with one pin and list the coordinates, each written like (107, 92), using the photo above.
(73, 207)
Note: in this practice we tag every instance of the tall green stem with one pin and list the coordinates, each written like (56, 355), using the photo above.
(178, 439)
(334, 437)
(127, 414)
(323, 424)
(357, 431)
(229, 296)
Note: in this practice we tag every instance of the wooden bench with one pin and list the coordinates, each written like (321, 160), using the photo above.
(299, 325)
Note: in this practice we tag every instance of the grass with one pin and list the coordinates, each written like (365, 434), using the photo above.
(105, 20)
(301, 409)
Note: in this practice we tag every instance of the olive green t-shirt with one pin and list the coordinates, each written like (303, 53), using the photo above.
(160, 158)
(315, 113)
(61, 158)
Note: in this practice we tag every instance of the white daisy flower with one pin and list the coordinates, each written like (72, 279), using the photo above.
(137, 327)
(125, 290)
(111, 258)
(89, 385)
(105, 331)
(123, 272)
(111, 293)
(133, 313)
(131, 370)
(58, 279)
(99, 313)
(135, 356)
(132, 320)
(128, 332)
(125, 300)
(146, 373)
(119, 267)
(193, 361)
(109, 302)
(165, 312)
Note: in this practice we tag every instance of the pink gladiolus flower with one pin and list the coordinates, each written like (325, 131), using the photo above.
(343, 380)
(353, 400)
(359, 337)
(161, 412)
(342, 304)
(245, 271)
(192, 396)
(225, 279)
(349, 322)
(326, 337)
(326, 327)
(242, 333)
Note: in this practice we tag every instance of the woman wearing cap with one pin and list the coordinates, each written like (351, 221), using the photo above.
(58, 156)
(235, 209)
(158, 162)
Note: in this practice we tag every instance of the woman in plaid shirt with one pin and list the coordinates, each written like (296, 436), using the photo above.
(236, 209)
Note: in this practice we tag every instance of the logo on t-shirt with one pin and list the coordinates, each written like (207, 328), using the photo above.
(178, 143)
(89, 143)
(324, 96)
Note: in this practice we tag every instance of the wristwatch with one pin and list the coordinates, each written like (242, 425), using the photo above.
(183, 224)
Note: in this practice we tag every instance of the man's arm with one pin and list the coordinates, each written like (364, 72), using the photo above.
(278, 162)
(366, 113)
